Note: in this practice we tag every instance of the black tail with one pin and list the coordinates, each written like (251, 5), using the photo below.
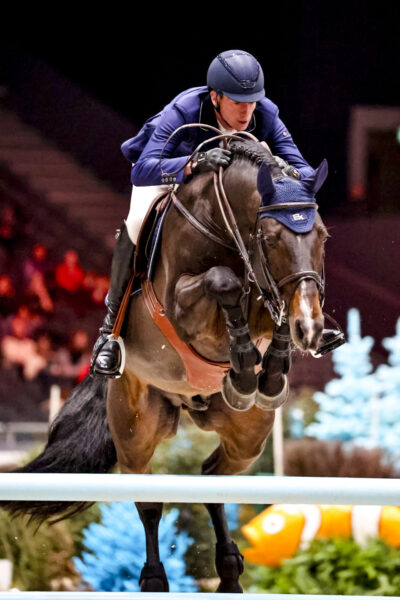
(79, 442)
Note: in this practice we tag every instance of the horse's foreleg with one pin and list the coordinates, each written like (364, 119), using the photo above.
(152, 577)
(220, 288)
(240, 385)
(243, 437)
(273, 388)
(228, 559)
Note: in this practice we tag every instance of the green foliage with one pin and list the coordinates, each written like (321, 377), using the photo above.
(42, 557)
(185, 452)
(302, 399)
(265, 462)
(336, 566)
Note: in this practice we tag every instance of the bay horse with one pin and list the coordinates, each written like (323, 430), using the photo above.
(225, 279)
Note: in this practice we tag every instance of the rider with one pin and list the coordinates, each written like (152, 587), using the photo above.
(233, 100)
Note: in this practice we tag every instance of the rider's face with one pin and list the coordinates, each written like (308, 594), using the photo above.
(235, 114)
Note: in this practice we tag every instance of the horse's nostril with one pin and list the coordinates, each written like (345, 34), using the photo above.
(299, 330)
(316, 337)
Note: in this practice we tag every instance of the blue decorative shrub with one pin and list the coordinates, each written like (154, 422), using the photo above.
(360, 407)
(118, 552)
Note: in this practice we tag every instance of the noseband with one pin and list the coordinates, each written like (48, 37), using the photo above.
(268, 288)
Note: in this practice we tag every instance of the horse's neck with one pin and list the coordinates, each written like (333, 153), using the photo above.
(240, 183)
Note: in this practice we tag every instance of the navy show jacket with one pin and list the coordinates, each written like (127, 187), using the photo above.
(194, 106)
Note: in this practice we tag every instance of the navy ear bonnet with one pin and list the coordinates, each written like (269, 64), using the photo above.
(284, 190)
(291, 190)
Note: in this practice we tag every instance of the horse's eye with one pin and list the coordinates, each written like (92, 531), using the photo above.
(323, 234)
(270, 240)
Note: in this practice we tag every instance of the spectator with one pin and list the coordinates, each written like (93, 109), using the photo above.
(8, 228)
(35, 270)
(96, 286)
(24, 320)
(19, 349)
(37, 262)
(69, 362)
(69, 273)
(7, 295)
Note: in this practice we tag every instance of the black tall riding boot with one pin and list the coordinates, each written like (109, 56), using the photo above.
(107, 358)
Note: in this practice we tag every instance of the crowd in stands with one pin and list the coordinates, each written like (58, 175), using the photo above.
(50, 310)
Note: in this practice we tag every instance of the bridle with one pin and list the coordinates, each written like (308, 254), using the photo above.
(272, 289)
(268, 289)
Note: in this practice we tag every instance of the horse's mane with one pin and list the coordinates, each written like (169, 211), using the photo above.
(255, 153)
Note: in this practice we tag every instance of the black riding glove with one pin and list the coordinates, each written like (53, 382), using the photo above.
(211, 160)
(289, 170)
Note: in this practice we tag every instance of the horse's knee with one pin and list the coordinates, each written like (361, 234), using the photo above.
(221, 284)
(246, 455)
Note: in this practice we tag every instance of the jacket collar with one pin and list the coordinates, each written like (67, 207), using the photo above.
(207, 113)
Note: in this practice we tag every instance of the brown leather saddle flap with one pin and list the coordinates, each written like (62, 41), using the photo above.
(142, 255)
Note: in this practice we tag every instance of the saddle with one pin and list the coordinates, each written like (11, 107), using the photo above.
(147, 243)
(146, 247)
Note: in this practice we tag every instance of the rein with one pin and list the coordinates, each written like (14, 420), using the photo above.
(270, 291)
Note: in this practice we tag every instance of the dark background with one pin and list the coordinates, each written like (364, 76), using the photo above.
(90, 79)
(319, 59)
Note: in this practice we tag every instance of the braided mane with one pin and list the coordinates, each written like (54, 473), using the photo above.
(256, 154)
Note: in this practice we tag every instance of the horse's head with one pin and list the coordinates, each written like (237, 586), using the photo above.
(291, 237)
(288, 248)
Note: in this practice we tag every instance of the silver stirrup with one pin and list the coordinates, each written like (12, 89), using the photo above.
(120, 370)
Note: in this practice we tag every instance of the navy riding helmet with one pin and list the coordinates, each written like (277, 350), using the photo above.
(238, 75)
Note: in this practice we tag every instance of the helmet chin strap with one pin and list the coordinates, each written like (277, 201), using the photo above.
(217, 107)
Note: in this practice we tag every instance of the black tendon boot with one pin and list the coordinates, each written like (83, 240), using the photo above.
(108, 353)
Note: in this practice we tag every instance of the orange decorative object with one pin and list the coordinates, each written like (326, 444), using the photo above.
(280, 530)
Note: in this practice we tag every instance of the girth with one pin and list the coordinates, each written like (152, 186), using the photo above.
(201, 373)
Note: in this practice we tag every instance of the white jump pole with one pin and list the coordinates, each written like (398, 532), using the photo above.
(197, 488)
(277, 442)
(172, 596)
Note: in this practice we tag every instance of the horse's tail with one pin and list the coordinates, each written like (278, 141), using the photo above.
(79, 442)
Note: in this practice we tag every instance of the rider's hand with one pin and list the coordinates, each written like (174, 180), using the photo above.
(289, 170)
(211, 160)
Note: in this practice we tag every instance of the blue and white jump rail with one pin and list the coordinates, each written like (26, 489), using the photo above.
(194, 489)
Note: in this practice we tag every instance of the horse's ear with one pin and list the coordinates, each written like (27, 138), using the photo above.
(315, 181)
(265, 185)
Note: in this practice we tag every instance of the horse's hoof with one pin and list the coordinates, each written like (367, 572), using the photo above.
(235, 399)
(229, 565)
(153, 578)
(229, 587)
(154, 584)
(272, 402)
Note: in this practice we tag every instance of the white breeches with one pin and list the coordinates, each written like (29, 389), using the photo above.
(141, 199)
